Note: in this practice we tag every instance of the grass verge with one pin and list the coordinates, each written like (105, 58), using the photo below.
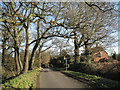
(93, 80)
(27, 80)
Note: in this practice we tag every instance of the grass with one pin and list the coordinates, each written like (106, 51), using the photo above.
(93, 80)
(27, 80)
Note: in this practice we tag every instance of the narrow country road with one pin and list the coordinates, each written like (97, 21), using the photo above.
(55, 79)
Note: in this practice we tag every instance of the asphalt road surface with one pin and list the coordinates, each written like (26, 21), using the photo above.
(55, 79)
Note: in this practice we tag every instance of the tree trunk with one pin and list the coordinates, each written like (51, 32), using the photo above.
(26, 59)
(77, 59)
(3, 49)
(40, 59)
(17, 55)
(19, 60)
(76, 50)
(17, 63)
(31, 62)
(87, 53)
(16, 52)
(25, 67)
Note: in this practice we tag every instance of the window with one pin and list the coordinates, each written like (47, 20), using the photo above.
(100, 54)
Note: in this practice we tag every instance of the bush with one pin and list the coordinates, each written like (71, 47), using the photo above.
(57, 63)
(27, 80)
(78, 67)
(6, 74)
(93, 80)
(105, 69)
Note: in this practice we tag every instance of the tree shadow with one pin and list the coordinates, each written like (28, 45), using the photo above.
(95, 83)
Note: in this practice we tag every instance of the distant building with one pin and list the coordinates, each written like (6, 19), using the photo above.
(100, 56)
(96, 54)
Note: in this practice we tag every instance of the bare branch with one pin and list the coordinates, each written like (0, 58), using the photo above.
(91, 5)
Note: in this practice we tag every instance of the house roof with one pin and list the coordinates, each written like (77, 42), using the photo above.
(97, 49)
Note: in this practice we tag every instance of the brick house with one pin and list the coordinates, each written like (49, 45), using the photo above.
(99, 54)
(96, 54)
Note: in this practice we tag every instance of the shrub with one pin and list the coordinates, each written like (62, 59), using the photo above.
(78, 67)
(105, 69)
(27, 80)
(93, 80)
